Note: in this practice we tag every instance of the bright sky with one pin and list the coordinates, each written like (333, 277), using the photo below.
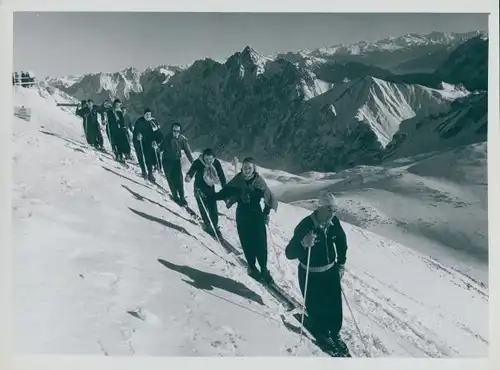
(61, 43)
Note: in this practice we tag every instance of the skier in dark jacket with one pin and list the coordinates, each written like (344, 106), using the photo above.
(172, 146)
(322, 232)
(146, 133)
(207, 171)
(91, 125)
(247, 189)
(118, 131)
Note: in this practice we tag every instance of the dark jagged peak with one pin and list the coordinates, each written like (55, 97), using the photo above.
(250, 59)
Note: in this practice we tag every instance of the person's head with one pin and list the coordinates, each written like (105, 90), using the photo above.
(147, 114)
(90, 103)
(208, 156)
(327, 207)
(248, 167)
(117, 104)
(176, 129)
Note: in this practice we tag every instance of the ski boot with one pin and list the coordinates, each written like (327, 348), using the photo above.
(266, 276)
(218, 233)
(151, 178)
(253, 272)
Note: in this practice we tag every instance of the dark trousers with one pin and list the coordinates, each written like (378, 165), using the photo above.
(93, 134)
(119, 141)
(252, 232)
(144, 159)
(173, 173)
(210, 204)
(324, 300)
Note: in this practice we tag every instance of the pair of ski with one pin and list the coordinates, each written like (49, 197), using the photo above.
(290, 304)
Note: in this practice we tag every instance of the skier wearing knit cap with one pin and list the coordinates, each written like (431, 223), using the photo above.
(321, 233)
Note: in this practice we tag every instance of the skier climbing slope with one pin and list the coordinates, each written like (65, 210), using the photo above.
(124, 272)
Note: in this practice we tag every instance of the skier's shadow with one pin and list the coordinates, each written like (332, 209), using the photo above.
(70, 141)
(208, 281)
(143, 198)
(161, 222)
(125, 177)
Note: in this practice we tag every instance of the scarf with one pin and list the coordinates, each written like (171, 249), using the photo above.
(210, 175)
(258, 182)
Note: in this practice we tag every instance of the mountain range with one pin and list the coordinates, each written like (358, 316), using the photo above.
(322, 109)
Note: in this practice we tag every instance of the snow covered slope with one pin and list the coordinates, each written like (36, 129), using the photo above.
(434, 203)
(104, 264)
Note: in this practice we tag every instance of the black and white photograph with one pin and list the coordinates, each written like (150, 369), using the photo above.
(250, 184)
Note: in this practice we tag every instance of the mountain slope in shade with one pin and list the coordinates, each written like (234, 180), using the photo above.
(465, 123)
(427, 63)
(468, 65)
(380, 105)
(142, 280)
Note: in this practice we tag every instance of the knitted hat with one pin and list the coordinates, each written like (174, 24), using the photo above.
(327, 199)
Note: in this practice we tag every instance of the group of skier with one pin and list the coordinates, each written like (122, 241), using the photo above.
(319, 242)
(24, 79)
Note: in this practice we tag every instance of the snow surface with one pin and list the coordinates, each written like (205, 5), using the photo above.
(89, 234)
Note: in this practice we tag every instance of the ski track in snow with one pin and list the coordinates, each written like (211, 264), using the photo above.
(107, 264)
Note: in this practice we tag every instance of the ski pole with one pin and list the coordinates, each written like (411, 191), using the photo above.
(305, 297)
(197, 193)
(158, 160)
(109, 135)
(355, 323)
(142, 152)
(274, 245)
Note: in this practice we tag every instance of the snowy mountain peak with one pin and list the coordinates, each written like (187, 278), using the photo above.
(251, 55)
(392, 43)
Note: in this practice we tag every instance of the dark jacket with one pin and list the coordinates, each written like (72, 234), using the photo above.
(248, 194)
(172, 148)
(196, 170)
(145, 128)
(116, 120)
(89, 116)
(330, 245)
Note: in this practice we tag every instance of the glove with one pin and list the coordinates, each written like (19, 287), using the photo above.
(187, 178)
(139, 137)
(154, 145)
(341, 271)
(309, 240)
